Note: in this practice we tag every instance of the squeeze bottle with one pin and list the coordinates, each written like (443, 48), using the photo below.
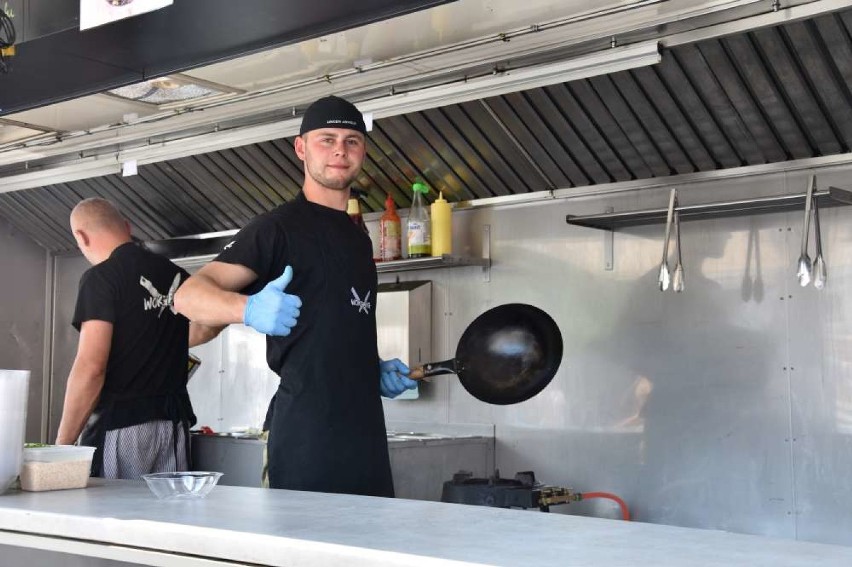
(390, 228)
(442, 228)
(419, 232)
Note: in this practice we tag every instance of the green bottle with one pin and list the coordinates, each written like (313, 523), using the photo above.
(419, 229)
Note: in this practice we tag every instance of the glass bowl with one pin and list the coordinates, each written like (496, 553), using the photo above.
(181, 485)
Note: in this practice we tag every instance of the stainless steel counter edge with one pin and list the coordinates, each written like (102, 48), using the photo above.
(302, 529)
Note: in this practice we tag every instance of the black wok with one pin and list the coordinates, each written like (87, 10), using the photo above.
(505, 356)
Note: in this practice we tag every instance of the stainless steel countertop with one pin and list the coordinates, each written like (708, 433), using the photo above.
(305, 529)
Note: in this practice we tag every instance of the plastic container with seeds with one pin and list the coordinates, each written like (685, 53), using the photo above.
(56, 467)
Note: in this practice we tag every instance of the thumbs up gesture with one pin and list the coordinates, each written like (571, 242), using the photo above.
(271, 311)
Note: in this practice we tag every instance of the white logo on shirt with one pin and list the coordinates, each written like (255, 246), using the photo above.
(157, 299)
(363, 305)
(228, 245)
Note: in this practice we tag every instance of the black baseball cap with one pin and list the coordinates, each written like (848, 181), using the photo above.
(332, 112)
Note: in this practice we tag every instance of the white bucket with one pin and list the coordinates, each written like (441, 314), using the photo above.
(14, 388)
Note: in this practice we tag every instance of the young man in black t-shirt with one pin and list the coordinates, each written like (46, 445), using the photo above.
(126, 391)
(303, 275)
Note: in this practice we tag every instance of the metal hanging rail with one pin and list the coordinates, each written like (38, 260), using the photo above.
(835, 196)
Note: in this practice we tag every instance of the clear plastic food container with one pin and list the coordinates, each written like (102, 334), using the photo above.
(56, 467)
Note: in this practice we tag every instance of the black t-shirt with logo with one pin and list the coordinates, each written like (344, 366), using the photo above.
(327, 430)
(146, 371)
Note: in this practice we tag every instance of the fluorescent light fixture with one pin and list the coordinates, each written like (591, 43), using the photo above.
(592, 65)
(91, 167)
(171, 90)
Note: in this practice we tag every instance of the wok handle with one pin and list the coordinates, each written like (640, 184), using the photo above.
(434, 369)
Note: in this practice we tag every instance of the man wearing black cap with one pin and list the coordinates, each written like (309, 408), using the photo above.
(303, 275)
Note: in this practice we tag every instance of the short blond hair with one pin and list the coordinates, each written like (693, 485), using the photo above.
(96, 213)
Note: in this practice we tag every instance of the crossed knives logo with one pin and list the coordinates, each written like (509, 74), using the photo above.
(363, 305)
(157, 299)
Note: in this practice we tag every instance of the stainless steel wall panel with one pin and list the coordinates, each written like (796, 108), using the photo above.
(820, 377)
(683, 404)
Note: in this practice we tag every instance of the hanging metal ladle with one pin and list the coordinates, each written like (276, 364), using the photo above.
(804, 268)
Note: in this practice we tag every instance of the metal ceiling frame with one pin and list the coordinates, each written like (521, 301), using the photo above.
(429, 66)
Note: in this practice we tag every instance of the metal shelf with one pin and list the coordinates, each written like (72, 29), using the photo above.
(445, 261)
(782, 203)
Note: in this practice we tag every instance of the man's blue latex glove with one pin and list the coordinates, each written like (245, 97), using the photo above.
(271, 311)
(393, 378)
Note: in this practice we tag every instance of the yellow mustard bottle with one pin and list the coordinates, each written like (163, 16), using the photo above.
(442, 226)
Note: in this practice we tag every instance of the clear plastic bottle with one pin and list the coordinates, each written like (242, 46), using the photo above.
(419, 229)
(390, 228)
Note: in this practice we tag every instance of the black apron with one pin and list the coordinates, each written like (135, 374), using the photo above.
(327, 429)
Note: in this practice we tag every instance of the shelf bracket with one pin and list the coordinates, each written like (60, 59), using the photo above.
(609, 239)
(486, 253)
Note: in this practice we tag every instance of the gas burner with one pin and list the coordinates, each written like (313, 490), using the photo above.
(521, 492)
